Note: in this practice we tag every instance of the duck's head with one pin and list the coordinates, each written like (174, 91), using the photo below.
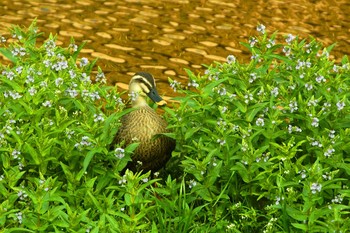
(142, 84)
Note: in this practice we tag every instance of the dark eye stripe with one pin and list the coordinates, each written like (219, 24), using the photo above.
(143, 80)
(148, 77)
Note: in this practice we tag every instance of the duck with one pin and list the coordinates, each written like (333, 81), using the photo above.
(145, 126)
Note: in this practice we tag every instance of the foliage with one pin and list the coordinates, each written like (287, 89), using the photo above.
(55, 132)
(261, 146)
(265, 145)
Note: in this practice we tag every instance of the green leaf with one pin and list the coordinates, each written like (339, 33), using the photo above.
(189, 133)
(8, 54)
(94, 200)
(87, 160)
(209, 88)
(67, 171)
(300, 226)
(154, 227)
(33, 153)
(296, 214)
(12, 84)
(123, 216)
(252, 111)
(18, 229)
(240, 106)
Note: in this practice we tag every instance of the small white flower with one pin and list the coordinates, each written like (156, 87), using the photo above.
(271, 43)
(47, 63)
(94, 96)
(340, 105)
(98, 117)
(74, 47)
(193, 83)
(58, 82)
(316, 143)
(312, 103)
(287, 50)
(72, 74)
(320, 79)
(253, 77)
(293, 105)
(337, 199)
(47, 103)
(316, 187)
(123, 180)
(15, 154)
(19, 216)
(252, 41)
(43, 84)
(274, 91)
(335, 68)
(224, 109)
(221, 122)
(222, 91)
(192, 184)
(248, 97)
(71, 92)
(221, 141)
(85, 78)
(278, 200)
(290, 38)
(329, 152)
(119, 153)
(85, 141)
(174, 85)
(231, 59)
(331, 134)
(50, 44)
(235, 127)
(69, 133)
(83, 62)
(100, 77)
(302, 174)
(19, 69)
(30, 79)
(308, 86)
(261, 28)
(260, 122)
(133, 95)
(326, 106)
(231, 226)
(300, 65)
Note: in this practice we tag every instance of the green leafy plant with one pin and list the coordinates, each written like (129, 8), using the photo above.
(55, 133)
(265, 145)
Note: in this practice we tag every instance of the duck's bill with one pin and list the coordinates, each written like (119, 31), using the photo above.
(153, 95)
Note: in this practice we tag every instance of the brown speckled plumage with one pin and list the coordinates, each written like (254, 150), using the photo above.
(145, 126)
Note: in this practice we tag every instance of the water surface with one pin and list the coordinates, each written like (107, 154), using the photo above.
(166, 36)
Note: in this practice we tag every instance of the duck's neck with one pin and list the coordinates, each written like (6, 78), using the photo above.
(139, 102)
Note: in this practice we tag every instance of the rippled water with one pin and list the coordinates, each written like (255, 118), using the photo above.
(165, 36)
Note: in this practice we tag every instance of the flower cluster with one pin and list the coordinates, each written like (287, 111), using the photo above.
(315, 187)
(85, 142)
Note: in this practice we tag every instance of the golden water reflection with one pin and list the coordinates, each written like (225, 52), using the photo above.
(166, 36)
